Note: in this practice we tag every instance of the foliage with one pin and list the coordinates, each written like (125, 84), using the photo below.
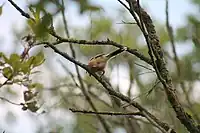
(17, 70)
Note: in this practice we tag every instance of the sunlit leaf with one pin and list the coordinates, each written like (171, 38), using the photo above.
(14, 57)
(8, 72)
(39, 59)
(2, 55)
(46, 20)
(35, 12)
(31, 60)
(32, 10)
(25, 68)
(14, 61)
(31, 24)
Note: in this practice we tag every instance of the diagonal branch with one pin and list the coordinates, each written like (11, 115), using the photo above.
(4, 99)
(26, 15)
(107, 113)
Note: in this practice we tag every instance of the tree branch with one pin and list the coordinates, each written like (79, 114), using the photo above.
(176, 60)
(4, 99)
(107, 113)
(160, 67)
(23, 13)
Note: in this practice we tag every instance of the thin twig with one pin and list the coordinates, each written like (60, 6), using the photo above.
(4, 83)
(142, 73)
(144, 66)
(106, 112)
(123, 22)
(4, 99)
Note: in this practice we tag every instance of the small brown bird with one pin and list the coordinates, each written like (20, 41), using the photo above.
(98, 63)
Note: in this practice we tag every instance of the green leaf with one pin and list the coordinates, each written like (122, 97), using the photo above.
(14, 61)
(35, 14)
(2, 55)
(46, 20)
(31, 23)
(14, 57)
(39, 59)
(32, 10)
(25, 68)
(41, 29)
(31, 60)
(8, 72)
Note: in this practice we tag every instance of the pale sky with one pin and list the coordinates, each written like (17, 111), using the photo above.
(12, 18)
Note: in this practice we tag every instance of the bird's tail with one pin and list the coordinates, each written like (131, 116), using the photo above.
(116, 52)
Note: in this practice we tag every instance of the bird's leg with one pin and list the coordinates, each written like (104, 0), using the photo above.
(103, 72)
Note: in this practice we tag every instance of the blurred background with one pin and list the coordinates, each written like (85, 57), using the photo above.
(56, 79)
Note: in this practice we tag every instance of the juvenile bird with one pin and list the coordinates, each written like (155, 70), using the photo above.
(98, 62)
